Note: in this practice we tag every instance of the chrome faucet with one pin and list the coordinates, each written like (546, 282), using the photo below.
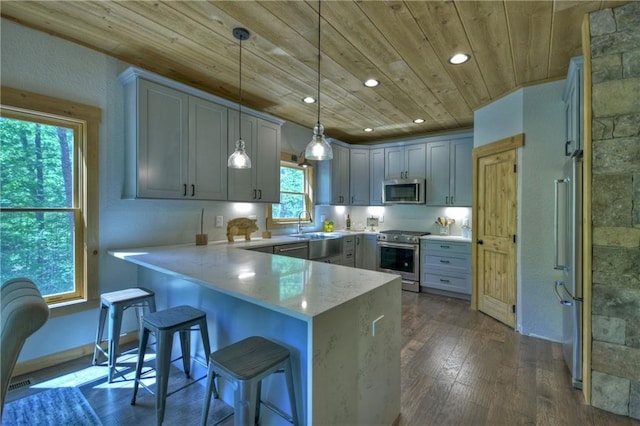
(300, 216)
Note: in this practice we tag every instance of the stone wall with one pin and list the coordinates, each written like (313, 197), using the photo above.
(615, 56)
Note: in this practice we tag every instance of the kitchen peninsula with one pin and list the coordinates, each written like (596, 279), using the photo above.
(341, 324)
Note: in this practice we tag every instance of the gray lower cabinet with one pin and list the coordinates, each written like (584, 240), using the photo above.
(446, 266)
(349, 251)
(366, 251)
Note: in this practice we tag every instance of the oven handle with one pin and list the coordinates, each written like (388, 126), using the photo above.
(398, 245)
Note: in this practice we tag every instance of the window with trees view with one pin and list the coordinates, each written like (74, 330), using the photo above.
(295, 194)
(43, 191)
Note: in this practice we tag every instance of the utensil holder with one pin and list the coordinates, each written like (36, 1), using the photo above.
(202, 239)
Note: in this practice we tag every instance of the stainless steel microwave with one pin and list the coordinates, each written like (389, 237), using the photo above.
(403, 191)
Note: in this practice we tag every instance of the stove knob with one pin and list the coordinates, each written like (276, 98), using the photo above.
(395, 237)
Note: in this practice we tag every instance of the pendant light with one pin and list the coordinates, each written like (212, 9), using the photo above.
(318, 148)
(239, 159)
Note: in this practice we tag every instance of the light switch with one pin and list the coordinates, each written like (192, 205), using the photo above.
(219, 221)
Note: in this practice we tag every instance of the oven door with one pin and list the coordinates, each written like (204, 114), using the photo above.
(398, 258)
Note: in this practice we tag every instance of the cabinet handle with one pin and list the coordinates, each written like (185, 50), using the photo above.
(452, 199)
(352, 197)
(184, 193)
(444, 261)
(255, 194)
(444, 281)
(566, 149)
(259, 194)
(446, 199)
(444, 247)
(193, 190)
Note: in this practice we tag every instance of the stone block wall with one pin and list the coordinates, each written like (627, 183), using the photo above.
(615, 206)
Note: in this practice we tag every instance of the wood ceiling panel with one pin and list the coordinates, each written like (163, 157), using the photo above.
(530, 32)
(440, 22)
(405, 44)
(485, 23)
(394, 22)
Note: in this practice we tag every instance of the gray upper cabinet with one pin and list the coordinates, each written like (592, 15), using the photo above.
(405, 162)
(449, 172)
(376, 176)
(333, 177)
(359, 176)
(260, 183)
(176, 144)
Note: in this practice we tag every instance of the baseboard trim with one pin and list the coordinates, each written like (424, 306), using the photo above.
(64, 356)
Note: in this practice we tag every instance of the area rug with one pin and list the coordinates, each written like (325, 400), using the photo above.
(56, 406)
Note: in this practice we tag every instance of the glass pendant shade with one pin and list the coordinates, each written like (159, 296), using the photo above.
(318, 148)
(239, 159)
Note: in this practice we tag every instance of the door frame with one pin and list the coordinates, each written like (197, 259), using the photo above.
(502, 145)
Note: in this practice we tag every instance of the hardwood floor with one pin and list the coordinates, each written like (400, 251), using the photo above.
(459, 367)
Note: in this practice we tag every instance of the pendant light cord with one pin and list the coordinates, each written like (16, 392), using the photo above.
(240, 96)
(319, 2)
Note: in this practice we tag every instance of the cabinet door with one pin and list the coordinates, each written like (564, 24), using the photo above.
(162, 141)
(415, 161)
(394, 163)
(240, 181)
(437, 173)
(340, 175)
(460, 172)
(267, 161)
(207, 150)
(376, 176)
(359, 176)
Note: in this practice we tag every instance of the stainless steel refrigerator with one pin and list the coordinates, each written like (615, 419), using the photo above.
(568, 258)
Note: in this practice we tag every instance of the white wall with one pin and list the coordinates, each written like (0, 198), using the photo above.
(538, 112)
(36, 62)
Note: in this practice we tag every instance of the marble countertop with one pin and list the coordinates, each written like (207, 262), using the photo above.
(296, 287)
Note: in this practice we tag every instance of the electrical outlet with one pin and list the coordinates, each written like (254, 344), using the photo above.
(376, 323)
(219, 221)
(322, 218)
(381, 219)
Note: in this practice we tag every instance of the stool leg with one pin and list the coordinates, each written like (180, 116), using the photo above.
(101, 320)
(163, 363)
(244, 402)
(185, 345)
(288, 374)
(204, 331)
(258, 393)
(151, 304)
(142, 348)
(211, 387)
(115, 325)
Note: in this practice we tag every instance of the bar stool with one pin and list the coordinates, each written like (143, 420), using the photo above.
(164, 324)
(115, 303)
(245, 364)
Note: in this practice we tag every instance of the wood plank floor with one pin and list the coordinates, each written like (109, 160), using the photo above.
(459, 367)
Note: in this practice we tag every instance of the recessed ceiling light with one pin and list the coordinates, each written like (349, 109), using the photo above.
(309, 100)
(371, 82)
(459, 58)
(368, 129)
(419, 120)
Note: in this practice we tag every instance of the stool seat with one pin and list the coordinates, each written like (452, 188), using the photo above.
(115, 303)
(245, 364)
(164, 324)
(248, 358)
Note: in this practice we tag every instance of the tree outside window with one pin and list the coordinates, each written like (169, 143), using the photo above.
(295, 195)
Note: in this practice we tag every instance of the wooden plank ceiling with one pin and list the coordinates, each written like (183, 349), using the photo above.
(404, 44)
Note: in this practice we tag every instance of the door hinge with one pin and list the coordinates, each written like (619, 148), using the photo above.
(514, 238)
(513, 308)
(515, 168)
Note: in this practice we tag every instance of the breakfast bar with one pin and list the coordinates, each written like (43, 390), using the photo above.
(341, 324)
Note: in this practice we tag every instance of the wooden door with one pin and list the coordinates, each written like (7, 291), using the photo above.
(495, 225)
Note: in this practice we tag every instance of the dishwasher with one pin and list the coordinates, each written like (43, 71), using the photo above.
(299, 250)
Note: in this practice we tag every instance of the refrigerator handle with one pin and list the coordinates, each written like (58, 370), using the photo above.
(562, 301)
(556, 224)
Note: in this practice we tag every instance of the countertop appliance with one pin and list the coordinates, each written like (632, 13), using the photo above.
(568, 258)
(398, 252)
(403, 191)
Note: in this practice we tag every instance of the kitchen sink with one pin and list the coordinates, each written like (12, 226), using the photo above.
(322, 244)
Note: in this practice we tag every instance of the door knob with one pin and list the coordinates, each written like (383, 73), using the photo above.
(480, 242)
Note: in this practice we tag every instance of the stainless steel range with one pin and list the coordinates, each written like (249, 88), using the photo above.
(398, 252)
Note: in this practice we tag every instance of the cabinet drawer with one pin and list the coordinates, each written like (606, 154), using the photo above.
(348, 242)
(441, 246)
(460, 284)
(461, 264)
